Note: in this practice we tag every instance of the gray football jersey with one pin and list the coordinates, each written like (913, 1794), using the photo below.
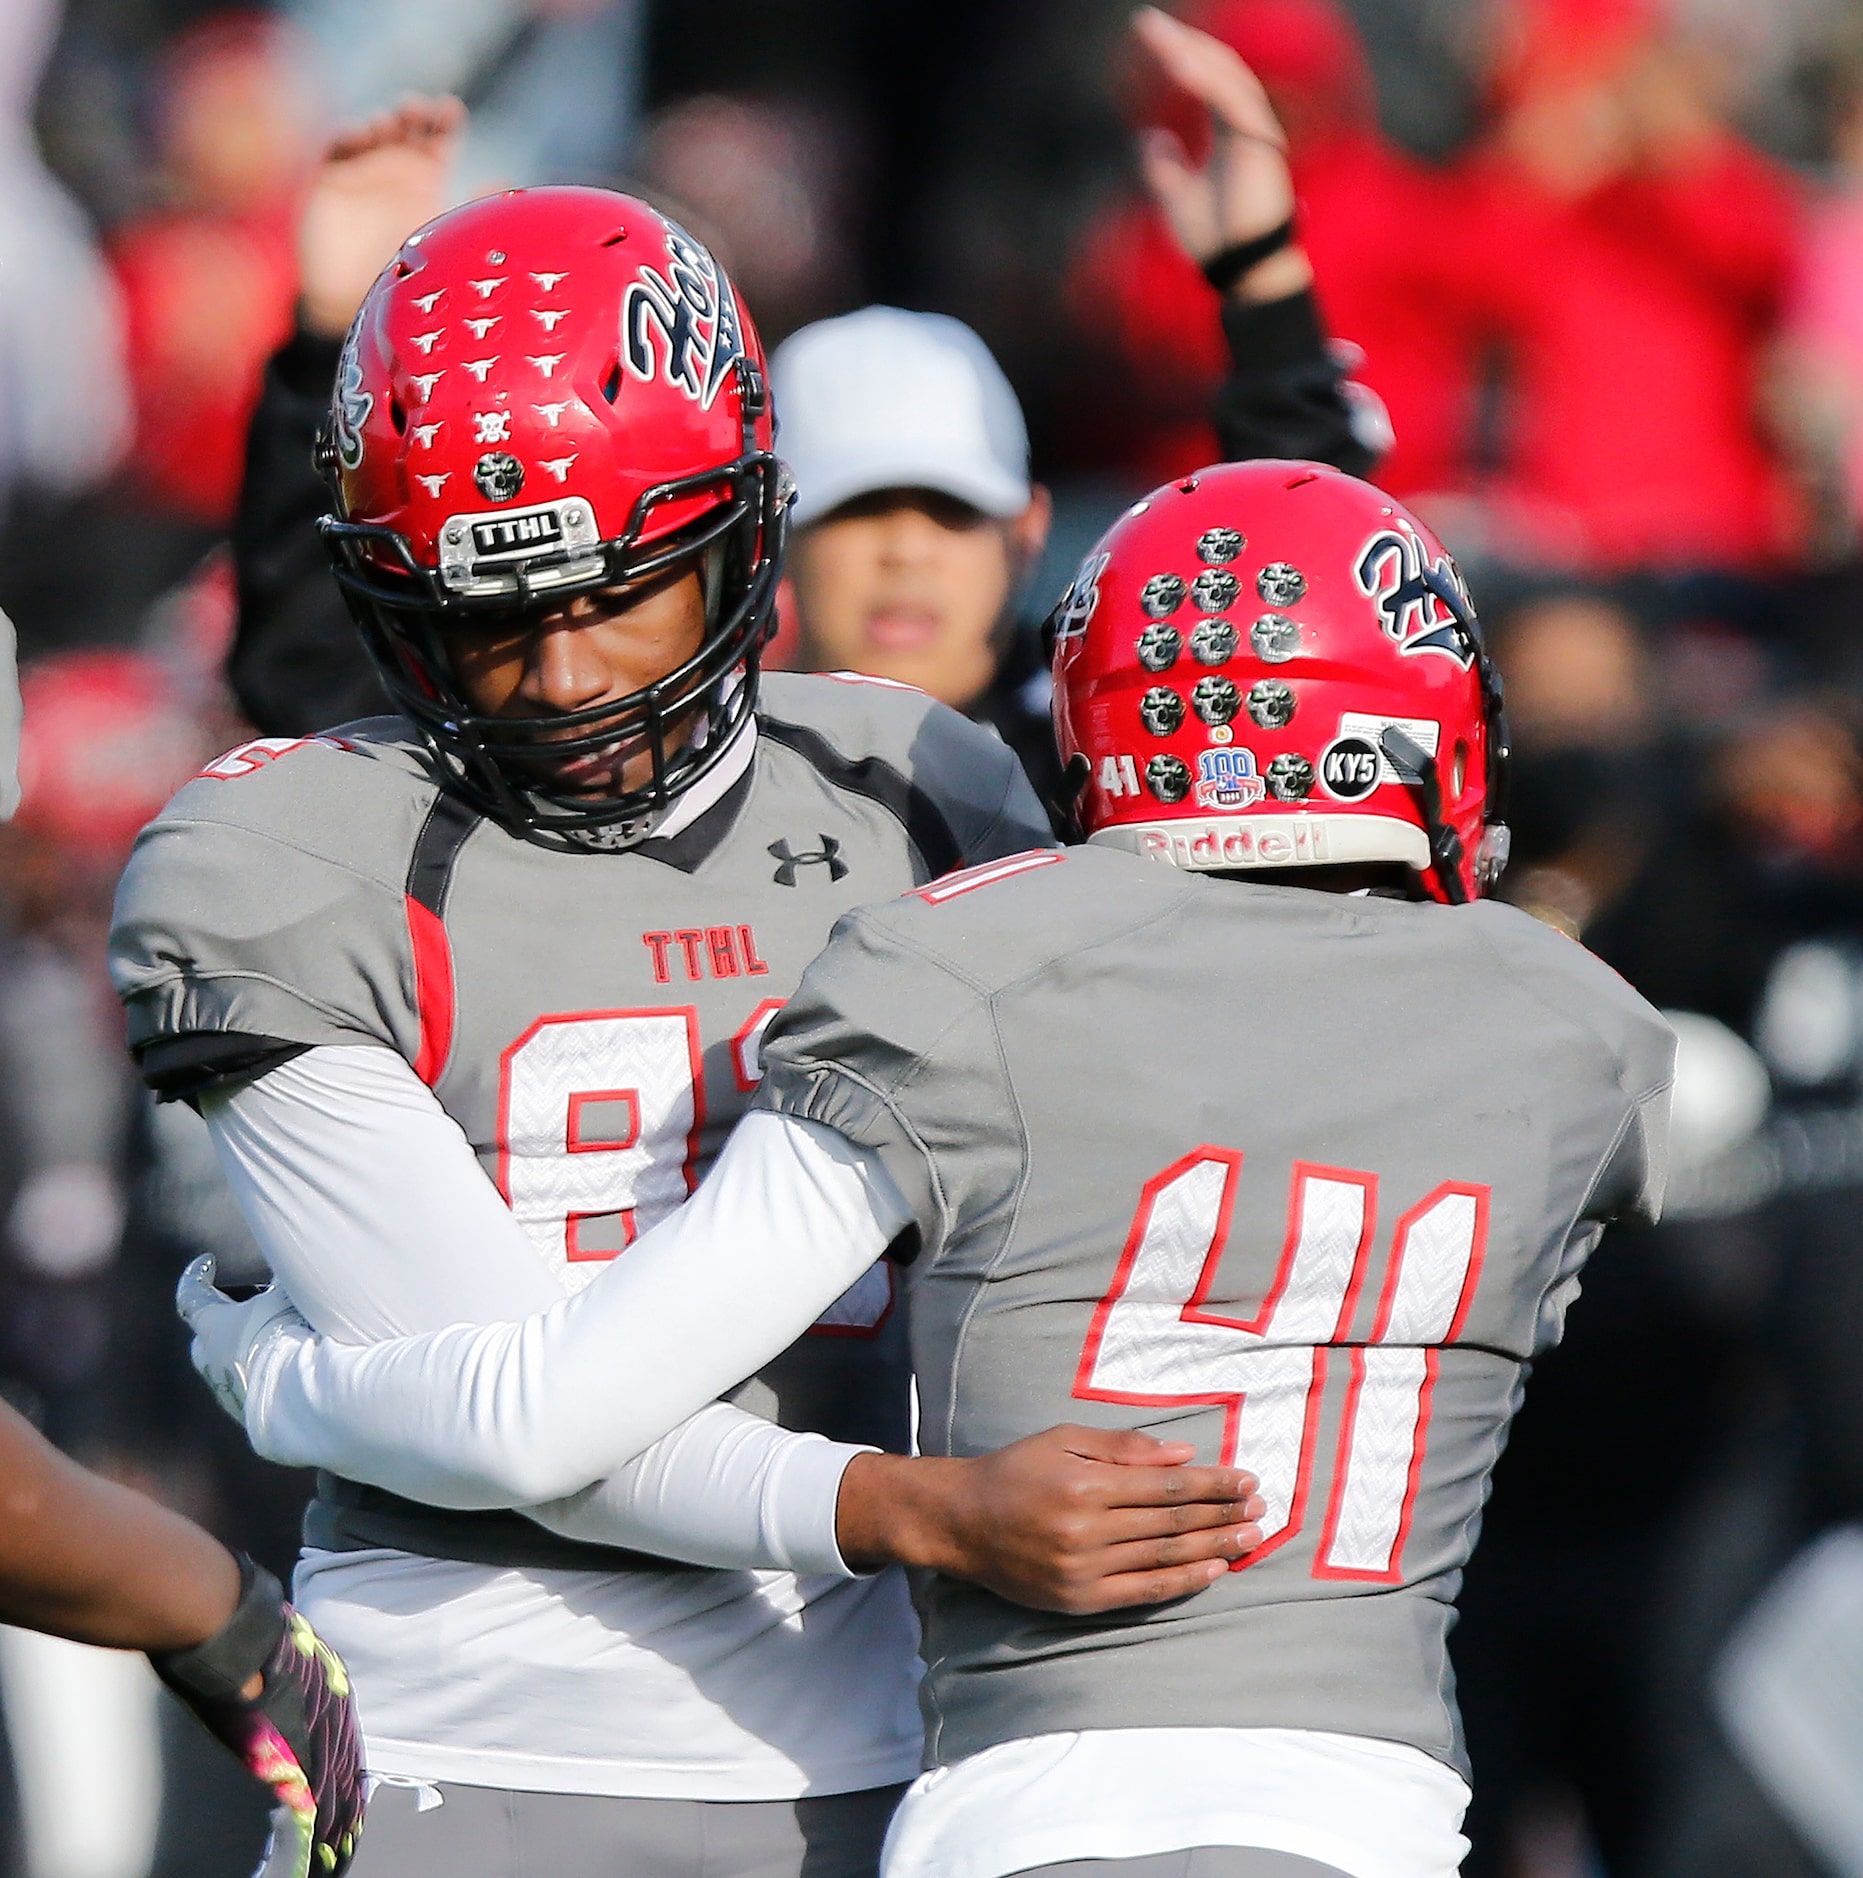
(1303, 1178)
(592, 1021)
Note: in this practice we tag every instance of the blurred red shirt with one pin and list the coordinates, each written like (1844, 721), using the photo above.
(1375, 224)
(1633, 321)
(207, 298)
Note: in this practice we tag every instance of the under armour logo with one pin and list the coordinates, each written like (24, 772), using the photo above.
(827, 855)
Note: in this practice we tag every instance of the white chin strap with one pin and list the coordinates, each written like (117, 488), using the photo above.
(1220, 843)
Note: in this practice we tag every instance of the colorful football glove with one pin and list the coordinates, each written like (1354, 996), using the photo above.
(297, 1734)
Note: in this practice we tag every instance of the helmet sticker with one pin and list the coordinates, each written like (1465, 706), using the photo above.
(1291, 777)
(1217, 547)
(1214, 642)
(353, 405)
(491, 426)
(1271, 703)
(1082, 599)
(1394, 571)
(1158, 647)
(1274, 638)
(1228, 779)
(1424, 732)
(682, 325)
(1349, 769)
(1162, 595)
(1118, 776)
(1168, 778)
(499, 475)
(1280, 584)
(1215, 699)
(1161, 711)
(1214, 589)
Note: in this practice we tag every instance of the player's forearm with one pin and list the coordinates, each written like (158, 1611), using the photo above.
(521, 1414)
(84, 1558)
(724, 1489)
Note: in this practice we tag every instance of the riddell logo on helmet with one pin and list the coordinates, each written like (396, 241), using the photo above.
(1232, 844)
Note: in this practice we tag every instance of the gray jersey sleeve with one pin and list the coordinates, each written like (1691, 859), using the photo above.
(1561, 975)
(245, 911)
(895, 1052)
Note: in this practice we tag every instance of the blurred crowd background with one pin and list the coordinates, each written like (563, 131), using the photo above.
(1602, 262)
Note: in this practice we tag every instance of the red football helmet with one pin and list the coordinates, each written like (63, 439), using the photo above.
(1273, 665)
(548, 392)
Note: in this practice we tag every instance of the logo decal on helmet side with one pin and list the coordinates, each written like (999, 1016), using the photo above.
(1395, 573)
(353, 406)
(1082, 599)
(683, 325)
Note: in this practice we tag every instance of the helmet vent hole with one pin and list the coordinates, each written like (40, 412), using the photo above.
(614, 240)
(611, 380)
(1188, 487)
(398, 416)
(402, 270)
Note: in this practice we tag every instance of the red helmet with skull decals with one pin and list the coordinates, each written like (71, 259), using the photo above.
(1274, 665)
(551, 392)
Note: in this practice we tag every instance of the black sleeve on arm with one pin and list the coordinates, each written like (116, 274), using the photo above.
(297, 664)
(180, 1068)
(1284, 395)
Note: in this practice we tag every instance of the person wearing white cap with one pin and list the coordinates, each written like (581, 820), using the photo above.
(916, 522)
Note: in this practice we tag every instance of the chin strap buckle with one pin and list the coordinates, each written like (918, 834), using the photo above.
(1417, 768)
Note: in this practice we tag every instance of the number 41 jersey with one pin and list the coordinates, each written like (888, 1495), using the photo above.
(1304, 1178)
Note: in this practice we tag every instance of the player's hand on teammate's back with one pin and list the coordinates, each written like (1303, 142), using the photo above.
(1077, 1520)
(230, 1335)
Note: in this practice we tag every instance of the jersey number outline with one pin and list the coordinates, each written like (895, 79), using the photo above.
(600, 1115)
(1154, 1342)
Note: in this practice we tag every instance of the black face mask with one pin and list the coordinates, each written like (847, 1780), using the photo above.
(1555, 796)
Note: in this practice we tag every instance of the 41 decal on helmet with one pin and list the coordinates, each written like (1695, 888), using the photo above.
(1421, 604)
(682, 325)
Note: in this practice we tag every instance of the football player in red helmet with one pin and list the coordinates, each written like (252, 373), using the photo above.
(536, 412)
(470, 996)
(1247, 1116)
(1333, 707)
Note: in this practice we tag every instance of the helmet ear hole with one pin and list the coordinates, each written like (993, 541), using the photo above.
(1458, 770)
(611, 380)
(398, 416)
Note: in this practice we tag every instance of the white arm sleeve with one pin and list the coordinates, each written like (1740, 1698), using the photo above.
(378, 1220)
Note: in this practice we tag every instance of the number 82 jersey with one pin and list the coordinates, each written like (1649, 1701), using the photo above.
(592, 1021)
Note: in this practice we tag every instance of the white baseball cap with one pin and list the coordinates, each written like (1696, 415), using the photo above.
(886, 399)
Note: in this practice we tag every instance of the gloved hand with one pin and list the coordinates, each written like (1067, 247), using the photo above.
(278, 1696)
(231, 1335)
